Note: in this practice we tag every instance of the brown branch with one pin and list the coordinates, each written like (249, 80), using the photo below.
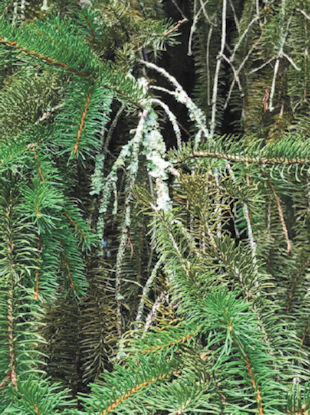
(75, 225)
(182, 339)
(37, 271)
(281, 215)
(36, 289)
(35, 155)
(36, 409)
(176, 27)
(266, 99)
(257, 391)
(244, 159)
(132, 392)
(68, 269)
(82, 122)
(250, 371)
(92, 33)
(69, 273)
(13, 376)
(44, 58)
(38, 213)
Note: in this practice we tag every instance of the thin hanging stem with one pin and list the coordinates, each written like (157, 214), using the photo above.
(172, 118)
(153, 313)
(127, 219)
(217, 70)
(146, 290)
(281, 215)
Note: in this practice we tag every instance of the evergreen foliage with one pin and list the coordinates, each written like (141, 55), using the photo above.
(136, 280)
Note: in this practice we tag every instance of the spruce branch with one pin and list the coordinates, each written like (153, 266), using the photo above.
(133, 382)
(76, 227)
(67, 267)
(245, 159)
(82, 122)
(171, 343)
(35, 155)
(252, 241)
(131, 392)
(44, 57)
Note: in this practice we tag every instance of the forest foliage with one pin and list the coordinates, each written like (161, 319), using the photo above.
(154, 207)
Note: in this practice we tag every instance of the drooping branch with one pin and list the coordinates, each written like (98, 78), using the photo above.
(172, 118)
(126, 222)
(181, 96)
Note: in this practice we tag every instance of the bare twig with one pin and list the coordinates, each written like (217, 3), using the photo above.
(179, 9)
(176, 27)
(235, 15)
(146, 290)
(242, 37)
(237, 72)
(153, 313)
(208, 64)
(273, 84)
(304, 13)
(217, 70)
(193, 27)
